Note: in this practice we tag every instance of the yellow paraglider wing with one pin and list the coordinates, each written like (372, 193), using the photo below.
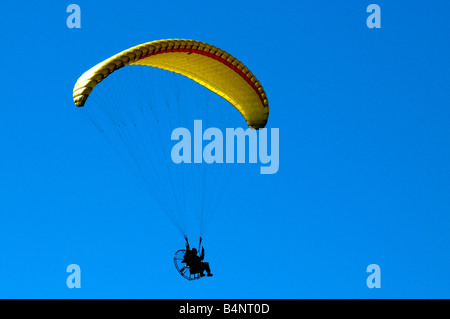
(205, 64)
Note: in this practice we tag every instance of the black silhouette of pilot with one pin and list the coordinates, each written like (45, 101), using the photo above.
(195, 262)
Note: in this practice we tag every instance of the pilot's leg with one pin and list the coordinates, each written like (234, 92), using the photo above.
(206, 267)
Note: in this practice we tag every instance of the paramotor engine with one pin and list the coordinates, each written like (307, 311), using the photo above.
(181, 267)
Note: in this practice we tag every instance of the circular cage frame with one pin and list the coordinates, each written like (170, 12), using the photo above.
(182, 268)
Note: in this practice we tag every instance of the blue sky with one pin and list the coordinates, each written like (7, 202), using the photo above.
(363, 117)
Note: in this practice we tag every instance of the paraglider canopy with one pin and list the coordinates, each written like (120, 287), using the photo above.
(207, 65)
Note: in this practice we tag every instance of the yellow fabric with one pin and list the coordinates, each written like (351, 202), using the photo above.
(238, 86)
